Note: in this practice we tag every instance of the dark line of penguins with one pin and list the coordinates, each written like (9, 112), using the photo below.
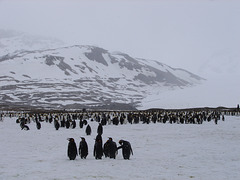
(68, 120)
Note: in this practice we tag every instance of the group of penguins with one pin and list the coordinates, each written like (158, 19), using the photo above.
(69, 120)
(109, 149)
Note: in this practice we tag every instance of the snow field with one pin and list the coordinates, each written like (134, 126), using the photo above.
(161, 151)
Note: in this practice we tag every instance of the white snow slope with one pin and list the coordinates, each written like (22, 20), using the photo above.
(161, 151)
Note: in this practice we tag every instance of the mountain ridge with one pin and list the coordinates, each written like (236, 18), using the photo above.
(48, 76)
(86, 75)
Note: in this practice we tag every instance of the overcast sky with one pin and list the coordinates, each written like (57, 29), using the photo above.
(181, 33)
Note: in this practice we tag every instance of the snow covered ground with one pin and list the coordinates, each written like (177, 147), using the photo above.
(161, 152)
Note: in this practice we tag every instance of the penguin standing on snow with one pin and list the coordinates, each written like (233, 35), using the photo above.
(56, 124)
(106, 149)
(81, 123)
(73, 124)
(100, 129)
(83, 148)
(23, 125)
(88, 130)
(38, 125)
(67, 124)
(72, 149)
(112, 148)
(98, 150)
(126, 149)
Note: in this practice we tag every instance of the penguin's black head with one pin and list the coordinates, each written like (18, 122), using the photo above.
(120, 142)
(70, 139)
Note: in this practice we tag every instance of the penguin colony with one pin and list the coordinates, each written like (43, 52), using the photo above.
(109, 149)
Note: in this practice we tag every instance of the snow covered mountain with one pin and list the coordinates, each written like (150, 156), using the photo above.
(83, 75)
(34, 73)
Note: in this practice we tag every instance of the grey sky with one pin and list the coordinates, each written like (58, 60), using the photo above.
(180, 33)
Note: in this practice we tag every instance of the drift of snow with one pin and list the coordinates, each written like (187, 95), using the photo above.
(161, 151)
